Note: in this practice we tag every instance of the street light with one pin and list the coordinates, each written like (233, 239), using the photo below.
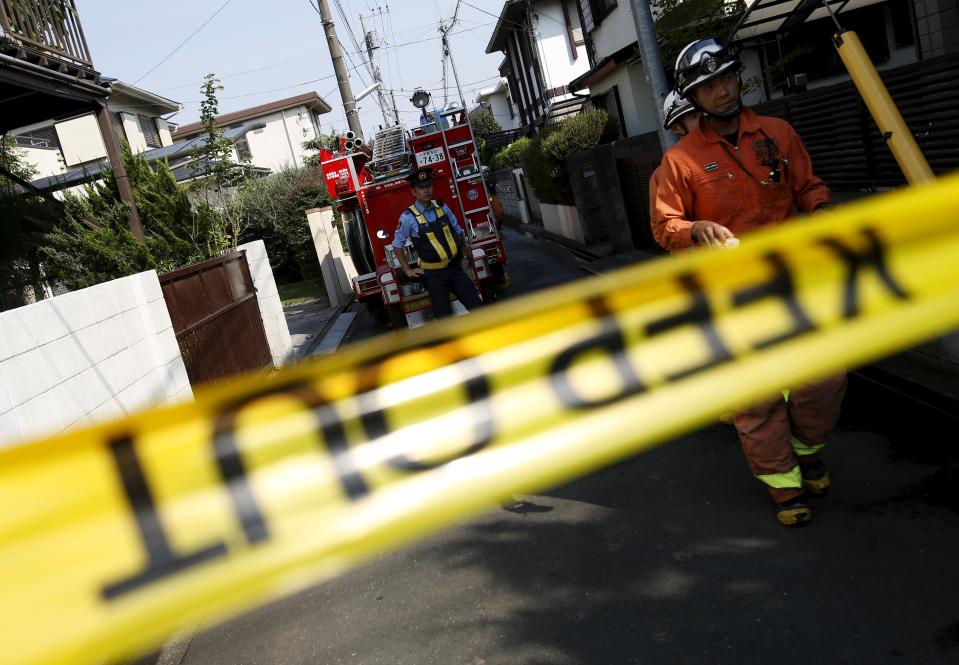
(363, 94)
(420, 98)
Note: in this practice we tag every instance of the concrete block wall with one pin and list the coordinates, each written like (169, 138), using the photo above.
(268, 298)
(336, 266)
(86, 357)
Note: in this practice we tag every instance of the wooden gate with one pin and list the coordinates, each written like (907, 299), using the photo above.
(216, 318)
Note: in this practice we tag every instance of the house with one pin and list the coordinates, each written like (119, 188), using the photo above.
(499, 102)
(282, 127)
(46, 73)
(894, 33)
(615, 80)
(56, 147)
(545, 50)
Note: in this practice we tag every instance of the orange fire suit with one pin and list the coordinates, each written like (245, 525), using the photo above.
(705, 177)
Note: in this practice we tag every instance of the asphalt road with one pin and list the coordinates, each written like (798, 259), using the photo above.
(670, 557)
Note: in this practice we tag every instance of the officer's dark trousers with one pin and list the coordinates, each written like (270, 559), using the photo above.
(451, 279)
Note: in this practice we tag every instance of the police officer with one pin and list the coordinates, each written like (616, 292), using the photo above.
(737, 172)
(440, 244)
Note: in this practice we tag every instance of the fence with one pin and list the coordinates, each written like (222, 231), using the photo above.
(216, 318)
(49, 25)
(848, 151)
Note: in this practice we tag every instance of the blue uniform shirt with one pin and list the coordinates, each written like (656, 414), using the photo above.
(410, 228)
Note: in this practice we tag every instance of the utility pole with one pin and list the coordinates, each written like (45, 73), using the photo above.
(339, 68)
(652, 66)
(445, 31)
(369, 38)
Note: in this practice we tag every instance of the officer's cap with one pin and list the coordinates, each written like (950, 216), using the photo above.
(421, 177)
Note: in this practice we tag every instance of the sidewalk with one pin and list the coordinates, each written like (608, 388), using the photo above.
(316, 327)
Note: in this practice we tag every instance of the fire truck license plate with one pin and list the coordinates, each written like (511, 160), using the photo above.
(428, 157)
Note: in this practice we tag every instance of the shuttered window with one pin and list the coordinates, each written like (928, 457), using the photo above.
(149, 128)
(587, 11)
(594, 11)
(43, 138)
(118, 129)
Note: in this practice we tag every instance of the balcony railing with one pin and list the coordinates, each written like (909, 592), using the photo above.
(50, 26)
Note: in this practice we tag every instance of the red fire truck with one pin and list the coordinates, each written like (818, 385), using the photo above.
(368, 184)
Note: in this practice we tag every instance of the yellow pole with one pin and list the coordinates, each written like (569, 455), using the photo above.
(883, 109)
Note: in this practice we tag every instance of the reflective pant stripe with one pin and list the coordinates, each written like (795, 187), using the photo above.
(803, 449)
(786, 480)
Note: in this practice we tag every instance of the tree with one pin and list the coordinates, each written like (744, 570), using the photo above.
(274, 210)
(24, 218)
(483, 122)
(680, 22)
(215, 173)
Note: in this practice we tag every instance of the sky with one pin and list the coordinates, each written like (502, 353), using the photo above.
(265, 50)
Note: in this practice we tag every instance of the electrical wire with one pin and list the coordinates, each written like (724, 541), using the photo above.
(183, 43)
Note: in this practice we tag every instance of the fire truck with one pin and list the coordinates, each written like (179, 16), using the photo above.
(368, 184)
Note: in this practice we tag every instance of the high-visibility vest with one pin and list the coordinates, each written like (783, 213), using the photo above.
(436, 243)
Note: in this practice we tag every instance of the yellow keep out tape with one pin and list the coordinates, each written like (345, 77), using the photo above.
(113, 538)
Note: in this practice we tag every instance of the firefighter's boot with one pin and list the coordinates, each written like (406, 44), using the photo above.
(815, 478)
(794, 512)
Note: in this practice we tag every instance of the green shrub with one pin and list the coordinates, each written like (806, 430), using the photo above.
(273, 209)
(545, 159)
(511, 156)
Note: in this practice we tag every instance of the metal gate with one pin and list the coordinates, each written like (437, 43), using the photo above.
(216, 318)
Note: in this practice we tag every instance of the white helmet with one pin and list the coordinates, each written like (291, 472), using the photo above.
(702, 60)
(674, 108)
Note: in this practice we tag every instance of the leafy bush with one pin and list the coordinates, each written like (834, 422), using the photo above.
(274, 208)
(91, 242)
(81, 252)
(545, 159)
(483, 122)
(511, 156)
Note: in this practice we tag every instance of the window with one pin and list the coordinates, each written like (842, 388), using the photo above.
(243, 151)
(43, 138)
(149, 128)
(609, 101)
(594, 11)
(118, 129)
(901, 23)
(814, 42)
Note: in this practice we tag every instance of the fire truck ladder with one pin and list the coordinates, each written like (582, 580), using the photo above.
(391, 151)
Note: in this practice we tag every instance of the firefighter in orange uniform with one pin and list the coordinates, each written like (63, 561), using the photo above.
(735, 173)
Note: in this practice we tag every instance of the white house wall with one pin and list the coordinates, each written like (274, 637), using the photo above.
(280, 142)
(131, 126)
(164, 130)
(80, 140)
(87, 357)
(616, 31)
(499, 105)
(634, 97)
(45, 162)
(559, 67)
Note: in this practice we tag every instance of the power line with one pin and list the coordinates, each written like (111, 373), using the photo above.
(247, 71)
(181, 44)
(496, 16)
